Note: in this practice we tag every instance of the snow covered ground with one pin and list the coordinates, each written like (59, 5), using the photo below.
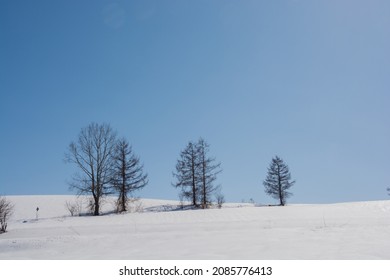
(359, 230)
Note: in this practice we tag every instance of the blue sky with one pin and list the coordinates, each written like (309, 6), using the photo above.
(305, 80)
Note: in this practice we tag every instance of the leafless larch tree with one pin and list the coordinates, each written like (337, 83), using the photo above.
(208, 172)
(196, 172)
(187, 173)
(278, 181)
(128, 175)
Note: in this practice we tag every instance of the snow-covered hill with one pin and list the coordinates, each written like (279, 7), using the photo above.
(159, 230)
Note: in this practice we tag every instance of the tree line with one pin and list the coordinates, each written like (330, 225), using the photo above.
(107, 165)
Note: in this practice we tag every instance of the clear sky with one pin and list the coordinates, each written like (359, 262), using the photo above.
(306, 80)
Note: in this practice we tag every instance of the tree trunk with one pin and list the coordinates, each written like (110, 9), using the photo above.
(123, 207)
(96, 211)
(96, 206)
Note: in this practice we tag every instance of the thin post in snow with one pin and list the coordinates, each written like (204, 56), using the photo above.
(36, 214)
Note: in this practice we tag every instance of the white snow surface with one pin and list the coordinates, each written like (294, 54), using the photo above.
(160, 230)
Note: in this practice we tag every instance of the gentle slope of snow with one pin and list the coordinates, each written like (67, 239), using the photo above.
(359, 230)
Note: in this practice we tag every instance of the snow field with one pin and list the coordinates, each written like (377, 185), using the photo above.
(358, 230)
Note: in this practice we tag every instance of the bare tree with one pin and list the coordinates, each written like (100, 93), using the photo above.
(187, 170)
(74, 207)
(93, 155)
(388, 189)
(6, 210)
(278, 180)
(220, 199)
(196, 173)
(208, 172)
(128, 173)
